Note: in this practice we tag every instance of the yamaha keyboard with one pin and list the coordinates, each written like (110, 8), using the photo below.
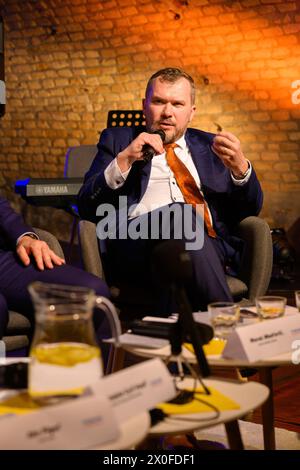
(54, 192)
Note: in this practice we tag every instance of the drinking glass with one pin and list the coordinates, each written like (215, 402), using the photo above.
(270, 306)
(224, 317)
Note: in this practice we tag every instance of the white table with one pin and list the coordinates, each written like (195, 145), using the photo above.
(249, 396)
(264, 367)
(132, 432)
(217, 360)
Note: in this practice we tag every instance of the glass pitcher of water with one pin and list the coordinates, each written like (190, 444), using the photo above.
(64, 354)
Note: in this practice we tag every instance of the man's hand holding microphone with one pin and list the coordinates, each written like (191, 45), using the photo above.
(144, 147)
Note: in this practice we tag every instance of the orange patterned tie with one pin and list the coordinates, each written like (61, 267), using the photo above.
(187, 186)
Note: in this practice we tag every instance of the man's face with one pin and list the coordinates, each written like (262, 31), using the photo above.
(169, 107)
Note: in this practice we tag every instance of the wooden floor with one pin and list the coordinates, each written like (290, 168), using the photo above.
(286, 382)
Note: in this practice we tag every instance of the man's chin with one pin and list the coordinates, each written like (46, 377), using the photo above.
(171, 136)
(169, 132)
(169, 139)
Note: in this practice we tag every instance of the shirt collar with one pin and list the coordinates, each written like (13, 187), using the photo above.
(181, 142)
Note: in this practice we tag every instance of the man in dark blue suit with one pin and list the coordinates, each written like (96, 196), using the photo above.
(25, 259)
(215, 166)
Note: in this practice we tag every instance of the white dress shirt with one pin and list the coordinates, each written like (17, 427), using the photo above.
(162, 188)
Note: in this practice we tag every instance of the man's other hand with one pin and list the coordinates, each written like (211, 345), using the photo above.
(228, 148)
(44, 257)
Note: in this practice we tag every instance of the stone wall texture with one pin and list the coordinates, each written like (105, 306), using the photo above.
(68, 62)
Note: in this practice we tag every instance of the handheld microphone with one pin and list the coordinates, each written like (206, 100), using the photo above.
(148, 151)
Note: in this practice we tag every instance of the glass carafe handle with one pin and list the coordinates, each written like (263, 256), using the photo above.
(110, 311)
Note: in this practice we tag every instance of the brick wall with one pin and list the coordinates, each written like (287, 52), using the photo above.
(70, 61)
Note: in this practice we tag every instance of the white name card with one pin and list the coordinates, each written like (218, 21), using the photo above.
(137, 388)
(263, 339)
(76, 424)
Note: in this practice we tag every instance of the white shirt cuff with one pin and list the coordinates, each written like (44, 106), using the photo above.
(241, 182)
(27, 233)
(114, 176)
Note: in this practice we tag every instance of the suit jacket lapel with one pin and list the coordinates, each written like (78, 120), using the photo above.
(202, 159)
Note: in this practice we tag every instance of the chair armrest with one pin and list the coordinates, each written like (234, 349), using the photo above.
(89, 248)
(257, 259)
(51, 240)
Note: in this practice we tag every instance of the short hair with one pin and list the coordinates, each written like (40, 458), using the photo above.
(171, 74)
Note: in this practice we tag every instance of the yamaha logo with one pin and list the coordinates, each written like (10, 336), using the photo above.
(51, 190)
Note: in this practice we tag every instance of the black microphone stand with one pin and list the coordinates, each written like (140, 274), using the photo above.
(174, 268)
(187, 325)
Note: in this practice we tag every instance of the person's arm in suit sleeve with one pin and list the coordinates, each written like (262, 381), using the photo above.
(19, 239)
(12, 224)
(95, 189)
(246, 199)
(119, 150)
